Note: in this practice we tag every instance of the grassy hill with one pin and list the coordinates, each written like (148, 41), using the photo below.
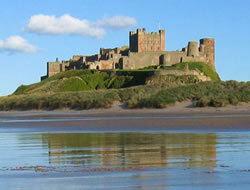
(82, 80)
(75, 80)
(85, 89)
(216, 94)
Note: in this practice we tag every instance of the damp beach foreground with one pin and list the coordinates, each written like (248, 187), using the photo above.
(125, 150)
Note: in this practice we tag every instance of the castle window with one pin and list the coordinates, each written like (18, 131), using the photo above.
(181, 60)
(61, 68)
(117, 66)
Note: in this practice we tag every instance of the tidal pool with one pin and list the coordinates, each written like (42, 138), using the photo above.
(153, 160)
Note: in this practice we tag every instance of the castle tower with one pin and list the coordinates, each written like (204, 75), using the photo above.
(208, 46)
(193, 49)
(133, 39)
(142, 41)
(162, 40)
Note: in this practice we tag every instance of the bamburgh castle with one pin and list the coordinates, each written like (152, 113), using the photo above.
(145, 49)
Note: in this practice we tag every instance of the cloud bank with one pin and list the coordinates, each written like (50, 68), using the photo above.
(66, 24)
(17, 44)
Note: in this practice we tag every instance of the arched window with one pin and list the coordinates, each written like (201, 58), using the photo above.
(117, 66)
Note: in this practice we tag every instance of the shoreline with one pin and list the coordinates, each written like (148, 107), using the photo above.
(117, 119)
(186, 107)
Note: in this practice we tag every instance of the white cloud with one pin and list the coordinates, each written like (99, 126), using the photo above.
(66, 24)
(16, 44)
(117, 22)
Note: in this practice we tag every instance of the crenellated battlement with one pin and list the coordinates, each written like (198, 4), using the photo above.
(142, 41)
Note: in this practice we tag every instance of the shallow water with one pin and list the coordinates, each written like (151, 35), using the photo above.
(159, 160)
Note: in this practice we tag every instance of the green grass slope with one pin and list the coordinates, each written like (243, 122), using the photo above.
(206, 69)
(202, 67)
(75, 80)
(82, 80)
(215, 94)
(85, 89)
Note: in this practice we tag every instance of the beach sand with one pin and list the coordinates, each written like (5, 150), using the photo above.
(182, 116)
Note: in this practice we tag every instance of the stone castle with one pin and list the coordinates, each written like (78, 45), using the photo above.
(145, 49)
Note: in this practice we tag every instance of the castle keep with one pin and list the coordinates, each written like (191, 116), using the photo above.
(145, 49)
(141, 41)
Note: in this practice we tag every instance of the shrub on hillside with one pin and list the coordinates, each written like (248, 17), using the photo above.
(203, 67)
(119, 81)
(73, 84)
(96, 80)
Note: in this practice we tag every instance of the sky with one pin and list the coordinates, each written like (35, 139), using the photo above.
(35, 32)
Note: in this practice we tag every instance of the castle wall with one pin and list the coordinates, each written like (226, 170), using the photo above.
(141, 60)
(172, 57)
(93, 58)
(55, 67)
(106, 65)
(194, 59)
(76, 57)
(166, 58)
(101, 65)
(145, 59)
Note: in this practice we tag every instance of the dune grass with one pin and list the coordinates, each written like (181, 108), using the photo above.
(215, 94)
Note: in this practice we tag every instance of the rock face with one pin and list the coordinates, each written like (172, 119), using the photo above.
(145, 49)
(197, 73)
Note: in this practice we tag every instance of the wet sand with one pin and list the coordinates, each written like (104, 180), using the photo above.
(180, 117)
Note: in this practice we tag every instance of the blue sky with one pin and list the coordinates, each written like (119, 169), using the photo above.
(27, 40)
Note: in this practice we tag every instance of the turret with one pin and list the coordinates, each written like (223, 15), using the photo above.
(193, 49)
(162, 40)
(208, 46)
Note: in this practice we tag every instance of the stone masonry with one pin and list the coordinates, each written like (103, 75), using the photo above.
(145, 49)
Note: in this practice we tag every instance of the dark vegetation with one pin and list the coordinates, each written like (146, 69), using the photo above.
(137, 89)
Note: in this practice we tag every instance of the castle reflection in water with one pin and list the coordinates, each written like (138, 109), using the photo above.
(131, 149)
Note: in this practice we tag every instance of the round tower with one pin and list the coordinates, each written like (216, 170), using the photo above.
(193, 49)
(209, 50)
